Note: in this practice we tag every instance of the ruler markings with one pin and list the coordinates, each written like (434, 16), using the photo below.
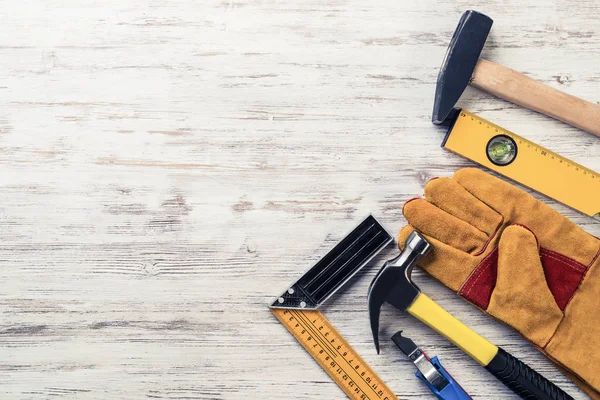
(534, 166)
(334, 354)
(309, 326)
(543, 151)
(335, 350)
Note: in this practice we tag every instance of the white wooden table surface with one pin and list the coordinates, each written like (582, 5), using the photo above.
(167, 167)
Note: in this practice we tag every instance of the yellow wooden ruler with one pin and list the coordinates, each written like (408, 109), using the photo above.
(333, 353)
(525, 162)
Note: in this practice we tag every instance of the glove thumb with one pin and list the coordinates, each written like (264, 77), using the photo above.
(521, 297)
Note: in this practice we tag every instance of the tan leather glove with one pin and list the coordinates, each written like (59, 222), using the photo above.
(518, 260)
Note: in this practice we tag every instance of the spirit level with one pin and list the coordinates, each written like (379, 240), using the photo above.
(525, 162)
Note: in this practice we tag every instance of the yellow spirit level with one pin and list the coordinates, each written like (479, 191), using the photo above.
(525, 162)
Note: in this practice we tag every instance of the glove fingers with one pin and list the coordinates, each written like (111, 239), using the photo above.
(554, 231)
(496, 193)
(447, 194)
(445, 263)
(521, 297)
(446, 228)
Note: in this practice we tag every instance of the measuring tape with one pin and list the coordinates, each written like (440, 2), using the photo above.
(525, 162)
(329, 348)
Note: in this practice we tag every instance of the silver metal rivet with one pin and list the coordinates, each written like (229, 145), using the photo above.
(302, 304)
(291, 291)
(280, 300)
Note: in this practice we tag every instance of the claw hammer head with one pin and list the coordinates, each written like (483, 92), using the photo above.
(393, 283)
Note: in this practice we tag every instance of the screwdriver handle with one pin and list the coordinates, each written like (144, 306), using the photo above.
(522, 379)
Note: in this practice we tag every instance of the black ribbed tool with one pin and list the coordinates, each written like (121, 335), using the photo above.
(353, 252)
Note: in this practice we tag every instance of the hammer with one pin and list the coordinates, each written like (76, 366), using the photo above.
(393, 285)
(462, 66)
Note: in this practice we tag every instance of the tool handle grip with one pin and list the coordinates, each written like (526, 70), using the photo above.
(469, 341)
(520, 89)
(452, 391)
(523, 380)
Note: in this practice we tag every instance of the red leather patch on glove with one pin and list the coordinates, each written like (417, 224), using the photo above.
(563, 276)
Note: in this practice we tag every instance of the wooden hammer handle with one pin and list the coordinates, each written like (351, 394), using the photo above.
(527, 92)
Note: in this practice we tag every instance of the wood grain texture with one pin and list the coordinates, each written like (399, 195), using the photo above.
(167, 167)
(520, 89)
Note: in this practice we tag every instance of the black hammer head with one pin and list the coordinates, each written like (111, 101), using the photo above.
(459, 63)
(393, 283)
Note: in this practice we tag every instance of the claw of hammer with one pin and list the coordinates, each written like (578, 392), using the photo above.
(393, 283)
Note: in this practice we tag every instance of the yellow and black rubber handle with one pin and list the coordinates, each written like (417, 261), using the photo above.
(511, 371)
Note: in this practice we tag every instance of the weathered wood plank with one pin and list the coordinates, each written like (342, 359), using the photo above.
(168, 167)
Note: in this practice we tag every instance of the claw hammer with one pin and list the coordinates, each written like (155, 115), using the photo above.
(393, 284)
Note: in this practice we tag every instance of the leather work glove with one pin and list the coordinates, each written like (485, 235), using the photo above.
(518, 260)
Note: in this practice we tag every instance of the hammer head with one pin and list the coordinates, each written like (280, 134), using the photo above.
(393, 283)
(460, 61)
